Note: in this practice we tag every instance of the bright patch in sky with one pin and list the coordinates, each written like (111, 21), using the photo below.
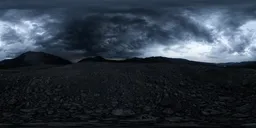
(21, 34)
(229, 45)
(21, 30)
(190, 50)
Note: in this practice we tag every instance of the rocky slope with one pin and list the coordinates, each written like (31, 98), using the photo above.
(33, 59)
(129, 93)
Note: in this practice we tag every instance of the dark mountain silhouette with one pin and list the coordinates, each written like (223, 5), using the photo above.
(249, 64)
(145, 60)
(33, 59)
(159, 59)
(40, 58)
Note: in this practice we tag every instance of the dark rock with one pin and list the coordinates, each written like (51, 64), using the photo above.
(88, 112)
(82, 117)
(28, 91)
(28, 110)
(114, 103)
(48, 92)
(225, 98)
(209, 112)
(174, 119)
(239, 115)
(44, 105)
(41, 111)
(50, 112)
(147, 109)
(167, 101)
(168, 111)
(245, 108)
(12, 101)
(146, 118)
(5, 114)
(122, 112)
(99, 111)
(249, 125)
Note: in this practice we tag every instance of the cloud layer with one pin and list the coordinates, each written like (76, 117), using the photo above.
(196, 30)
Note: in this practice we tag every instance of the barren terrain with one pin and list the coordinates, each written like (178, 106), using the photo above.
(103, 93)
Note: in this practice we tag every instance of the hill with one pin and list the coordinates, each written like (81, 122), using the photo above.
(33, 59)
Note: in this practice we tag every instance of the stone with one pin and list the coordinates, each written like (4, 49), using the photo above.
(208, 112)
(239, 115)
(83, 94)
(28, 91)
(114, 103)
(28, 110)
(98, 111)
(88, 111)
(50, 112)
(250, 125)
(225, 98)
(168, 111)
(96, 95)
(12, 101)
(118, 112)
(7, 114)
(174, 119)
(122, 112)
(245, 108)
(48, 92)
(41, 111)
(82, 117)
(147, 109)
(57, 89)
(166, 101)
(146, 117)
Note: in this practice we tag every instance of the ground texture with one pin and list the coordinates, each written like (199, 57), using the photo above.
(105, 93)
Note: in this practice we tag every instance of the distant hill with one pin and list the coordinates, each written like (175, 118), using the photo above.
(145, 60)
(249, 64)
(40, 58)
(33, 59)
(159, 59)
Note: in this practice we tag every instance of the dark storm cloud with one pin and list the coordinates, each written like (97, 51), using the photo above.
(108, 35)
(125, 34)
(124, 28)
(112, 3)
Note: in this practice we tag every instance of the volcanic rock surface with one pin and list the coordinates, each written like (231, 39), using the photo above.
(129, 93)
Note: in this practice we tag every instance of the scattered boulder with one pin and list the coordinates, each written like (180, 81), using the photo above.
(168, 111)
(174, 119)
(240, 115)
(28, 110)
(225, 98)
(211, 112)
(122, 112)
(12, 101)
(245, 108)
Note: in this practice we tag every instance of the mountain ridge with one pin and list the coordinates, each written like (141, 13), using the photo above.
(32, 58)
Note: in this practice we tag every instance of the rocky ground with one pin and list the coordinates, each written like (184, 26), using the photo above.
(105, 93)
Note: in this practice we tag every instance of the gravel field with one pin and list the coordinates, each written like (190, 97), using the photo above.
(105, 93)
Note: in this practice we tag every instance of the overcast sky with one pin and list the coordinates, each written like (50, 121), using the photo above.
(201, 30)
